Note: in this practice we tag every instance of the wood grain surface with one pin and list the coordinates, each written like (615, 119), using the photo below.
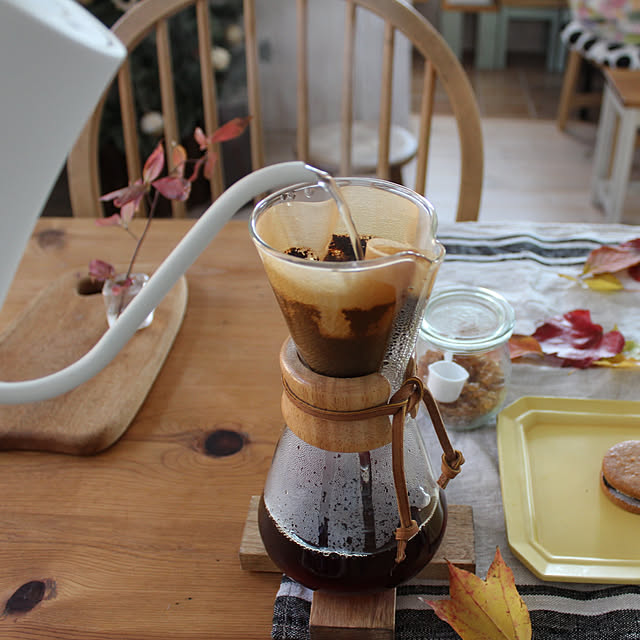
(141, 541)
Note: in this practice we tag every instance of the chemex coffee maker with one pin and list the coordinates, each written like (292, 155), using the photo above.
(350, 503)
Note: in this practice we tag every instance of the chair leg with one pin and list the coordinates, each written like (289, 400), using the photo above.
(501, 38)
(395, 173)
(625, 144)
(569, 85)
(602, 156)
(554, 40)
(486, 35)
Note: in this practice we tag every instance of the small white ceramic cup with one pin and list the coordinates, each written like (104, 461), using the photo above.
(446, 380)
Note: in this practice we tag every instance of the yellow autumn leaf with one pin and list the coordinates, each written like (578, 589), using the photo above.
(603, 282)
(599, 282)
(628, 358)
(490, 609)
(618, 362)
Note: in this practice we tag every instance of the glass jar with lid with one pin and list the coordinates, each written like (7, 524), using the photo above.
(469, 327)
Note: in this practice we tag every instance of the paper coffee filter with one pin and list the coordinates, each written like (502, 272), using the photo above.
(299, 223)
(382, 214)
(342, 316)
(305, 223)
(339, 288)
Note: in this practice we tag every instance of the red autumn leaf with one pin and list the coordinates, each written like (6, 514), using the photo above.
(111, 221)
(127, 212)
(101, 270)
(133, 193)
(610, 259)
(520, 345)
(178, 159)
(576, 340)
(230, 130)
(490, 609)
(173, 187)
(154, 164)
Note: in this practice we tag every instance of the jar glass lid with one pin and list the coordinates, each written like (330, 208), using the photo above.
(467, 319)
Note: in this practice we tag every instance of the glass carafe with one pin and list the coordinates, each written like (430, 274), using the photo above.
(329, 512)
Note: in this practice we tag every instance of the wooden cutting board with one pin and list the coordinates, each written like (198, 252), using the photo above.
(59, 327)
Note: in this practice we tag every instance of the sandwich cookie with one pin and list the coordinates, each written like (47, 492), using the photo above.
(620, 476)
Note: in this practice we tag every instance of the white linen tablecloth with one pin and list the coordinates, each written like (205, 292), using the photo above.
(523, 262)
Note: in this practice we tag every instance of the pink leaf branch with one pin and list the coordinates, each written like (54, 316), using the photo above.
(173, 186)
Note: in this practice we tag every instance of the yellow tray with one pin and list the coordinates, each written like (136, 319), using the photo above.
(559, 522)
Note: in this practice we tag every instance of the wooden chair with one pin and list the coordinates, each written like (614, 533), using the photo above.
(399, 17)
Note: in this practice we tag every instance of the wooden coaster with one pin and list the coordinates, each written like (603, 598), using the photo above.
(457, 545)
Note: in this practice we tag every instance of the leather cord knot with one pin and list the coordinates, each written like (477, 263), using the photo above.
(403, 535)
(410, 394)
(450, 468)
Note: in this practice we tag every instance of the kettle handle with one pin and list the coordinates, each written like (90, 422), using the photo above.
(172, 268)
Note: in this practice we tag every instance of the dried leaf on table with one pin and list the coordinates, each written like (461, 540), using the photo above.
(570, 340)
(520, 345)
(576, 340)
(600, 282)
(611, 259)
(604, 282)
(628, 358)
(602, 263)
(489, 609)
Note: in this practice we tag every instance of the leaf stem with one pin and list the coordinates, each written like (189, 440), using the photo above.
(140, 240)
(144, 233)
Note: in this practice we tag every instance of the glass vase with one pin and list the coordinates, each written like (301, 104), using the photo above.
(116, 298)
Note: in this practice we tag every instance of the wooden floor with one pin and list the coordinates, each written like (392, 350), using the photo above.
(532, 171)
(524, 89)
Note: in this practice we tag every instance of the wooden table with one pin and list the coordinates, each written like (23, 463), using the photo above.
(141, 541)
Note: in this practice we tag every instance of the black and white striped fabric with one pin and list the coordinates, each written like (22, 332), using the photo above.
(518, 247)
(526, 264)
(607, 613)
(599, 48)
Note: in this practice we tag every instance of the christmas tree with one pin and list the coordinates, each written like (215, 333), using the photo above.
(227, 54)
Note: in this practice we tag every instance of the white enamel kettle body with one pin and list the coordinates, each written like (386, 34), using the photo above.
(56, 60)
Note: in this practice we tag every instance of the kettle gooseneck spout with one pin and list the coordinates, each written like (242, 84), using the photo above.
(167, 274)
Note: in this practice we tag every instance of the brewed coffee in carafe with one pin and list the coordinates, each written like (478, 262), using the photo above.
(329, 513)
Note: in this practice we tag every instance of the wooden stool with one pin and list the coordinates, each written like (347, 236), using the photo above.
(571, 98)
(452, 18)
(615, 145)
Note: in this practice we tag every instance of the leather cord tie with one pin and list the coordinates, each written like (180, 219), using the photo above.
(405, 400)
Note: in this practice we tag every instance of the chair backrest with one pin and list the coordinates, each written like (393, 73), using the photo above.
(153, 16)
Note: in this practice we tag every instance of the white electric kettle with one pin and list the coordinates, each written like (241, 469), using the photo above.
(55, 61)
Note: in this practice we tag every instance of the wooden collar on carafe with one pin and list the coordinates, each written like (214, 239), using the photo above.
(351, 415)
